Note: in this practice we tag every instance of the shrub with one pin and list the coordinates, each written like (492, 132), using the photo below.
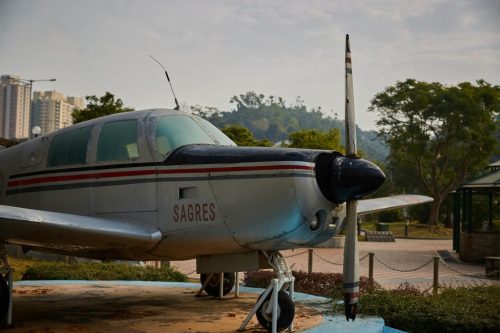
(320, 284)
(99, 271)
(453, 310)
(407, 307)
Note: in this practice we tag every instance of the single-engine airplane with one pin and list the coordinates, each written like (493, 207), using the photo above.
(167, 185)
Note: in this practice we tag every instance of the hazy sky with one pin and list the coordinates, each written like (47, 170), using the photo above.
(216, 49)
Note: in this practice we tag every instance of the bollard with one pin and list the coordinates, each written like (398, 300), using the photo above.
(310, 261)
(371, 255)
(435, 281)
(406, 230)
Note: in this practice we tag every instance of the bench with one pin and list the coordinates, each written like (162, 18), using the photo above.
(379, 236)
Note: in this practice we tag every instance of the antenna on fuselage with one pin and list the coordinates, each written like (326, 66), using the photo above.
(168, 79)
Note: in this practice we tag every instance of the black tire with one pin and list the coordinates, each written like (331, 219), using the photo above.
(212, 288)
(4, 301)
(286, 312)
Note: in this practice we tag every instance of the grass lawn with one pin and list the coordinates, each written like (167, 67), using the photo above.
(415, 230)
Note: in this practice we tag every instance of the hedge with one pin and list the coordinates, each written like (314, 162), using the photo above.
(99, 271)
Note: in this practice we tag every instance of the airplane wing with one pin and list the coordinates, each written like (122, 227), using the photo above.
(75, 233)
(369, 206)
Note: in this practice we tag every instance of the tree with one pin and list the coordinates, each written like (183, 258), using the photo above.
(243, 137)
(99, 107)
(316, 139)
(438, 135)
(206, 112)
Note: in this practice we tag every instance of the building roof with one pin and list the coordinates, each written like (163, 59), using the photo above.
(494, 165)
(488, 180)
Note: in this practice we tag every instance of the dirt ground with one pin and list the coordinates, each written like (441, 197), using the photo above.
(124, 309)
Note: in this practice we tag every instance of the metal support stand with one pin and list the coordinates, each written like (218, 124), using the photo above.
(198, 294)
(6, 270)
(207, 281)
(284, 280)
(221, 285)
(237, 286)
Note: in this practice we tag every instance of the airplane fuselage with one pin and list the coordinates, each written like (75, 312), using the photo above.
(174, 173)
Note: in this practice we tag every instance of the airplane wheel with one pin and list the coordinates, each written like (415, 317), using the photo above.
(212, 288)
(4, 300)
(286, 312)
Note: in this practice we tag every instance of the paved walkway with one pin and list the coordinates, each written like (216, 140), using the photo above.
(404, 254)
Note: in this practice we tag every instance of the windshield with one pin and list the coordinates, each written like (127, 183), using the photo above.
(174, 131)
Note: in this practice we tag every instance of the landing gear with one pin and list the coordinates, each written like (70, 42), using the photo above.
(4, 300)
(275, 309)
(5, 289)
(285, 312)
(212, 286)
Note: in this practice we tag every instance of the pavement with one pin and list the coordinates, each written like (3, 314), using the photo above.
(401, 258)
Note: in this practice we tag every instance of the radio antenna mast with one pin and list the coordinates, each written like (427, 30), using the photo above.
(168, 79)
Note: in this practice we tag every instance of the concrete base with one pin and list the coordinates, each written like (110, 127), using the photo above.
(330, 324)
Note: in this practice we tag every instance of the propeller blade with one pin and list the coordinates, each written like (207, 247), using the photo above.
(351, 262)
(351, 254)
(350, 119)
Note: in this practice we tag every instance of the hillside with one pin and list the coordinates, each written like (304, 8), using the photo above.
(269, 118)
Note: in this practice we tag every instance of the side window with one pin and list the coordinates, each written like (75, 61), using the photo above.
(118, 141)
(69, 147)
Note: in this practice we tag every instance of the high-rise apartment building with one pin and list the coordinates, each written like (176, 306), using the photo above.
(51, 110)
(14, 108)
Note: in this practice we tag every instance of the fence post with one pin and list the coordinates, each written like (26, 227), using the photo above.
(370, 267)
(310, 261)
(435, 281)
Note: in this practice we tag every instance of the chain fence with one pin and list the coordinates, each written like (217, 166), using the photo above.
(477, 278)
(403, 270)
(480, 276)
(296, 254)
(437, 260)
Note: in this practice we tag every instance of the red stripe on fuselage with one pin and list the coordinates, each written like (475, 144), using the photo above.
(111, 174)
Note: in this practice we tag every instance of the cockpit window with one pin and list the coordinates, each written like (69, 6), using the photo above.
(118, 141)
(69, 147)
(216, 133)
(178, 130)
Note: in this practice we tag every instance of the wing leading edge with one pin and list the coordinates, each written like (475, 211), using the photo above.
(398, 201)
(72, 233)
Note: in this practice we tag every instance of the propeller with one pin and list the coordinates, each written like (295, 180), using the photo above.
(348, 178)
(351, 253)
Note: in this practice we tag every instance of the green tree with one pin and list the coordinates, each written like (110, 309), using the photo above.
(438, 135)
(316, 139)
(99, 107)
(243, 137)
(210, 113)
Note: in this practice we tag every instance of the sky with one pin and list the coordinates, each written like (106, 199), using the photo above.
(214, 50)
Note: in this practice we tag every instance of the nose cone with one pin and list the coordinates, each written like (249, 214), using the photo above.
(351, 179)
